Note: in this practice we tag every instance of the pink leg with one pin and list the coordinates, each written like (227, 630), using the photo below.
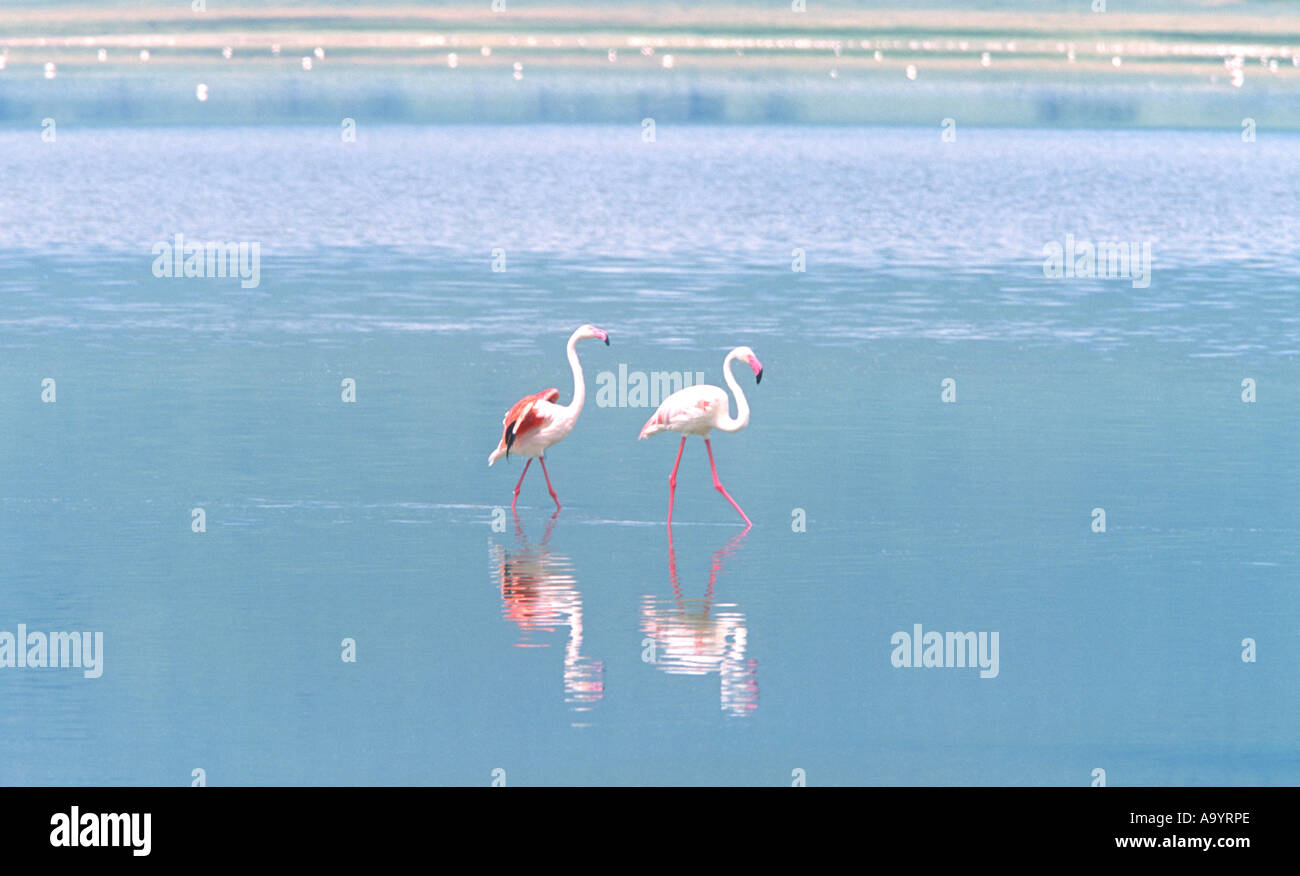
(718, 484)
(672, 485)
(520, 484)
(548, 485)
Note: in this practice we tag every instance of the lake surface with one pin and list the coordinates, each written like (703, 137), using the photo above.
(587, 649)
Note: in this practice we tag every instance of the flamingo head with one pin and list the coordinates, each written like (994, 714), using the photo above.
(590, 331)
(748, 355)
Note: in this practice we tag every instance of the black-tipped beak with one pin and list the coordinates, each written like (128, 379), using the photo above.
(758, 378)
(606, 339)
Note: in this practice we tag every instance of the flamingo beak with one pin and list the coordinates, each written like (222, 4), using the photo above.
(758, 368)
(602, 335)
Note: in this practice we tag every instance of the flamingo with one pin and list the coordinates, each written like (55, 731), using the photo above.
(696, 410)
(536, 423)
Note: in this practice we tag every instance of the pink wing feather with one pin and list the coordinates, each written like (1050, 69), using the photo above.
(523, 418)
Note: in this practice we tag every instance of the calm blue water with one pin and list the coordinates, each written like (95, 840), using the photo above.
(525, 649)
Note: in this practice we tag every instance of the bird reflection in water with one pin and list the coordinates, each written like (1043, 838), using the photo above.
(699, 637)
(540, 594)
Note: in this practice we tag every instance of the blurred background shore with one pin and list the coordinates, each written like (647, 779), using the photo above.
(1149, 64)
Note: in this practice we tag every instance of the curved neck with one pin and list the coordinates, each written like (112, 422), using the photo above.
(579, 385)
(741, 420)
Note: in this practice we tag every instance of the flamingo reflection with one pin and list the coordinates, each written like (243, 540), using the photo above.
(698, 637)
(540, 594)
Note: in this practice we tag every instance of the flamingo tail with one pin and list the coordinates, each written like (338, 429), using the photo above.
(651, 427)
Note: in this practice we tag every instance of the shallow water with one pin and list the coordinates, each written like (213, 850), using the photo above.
(525, 649)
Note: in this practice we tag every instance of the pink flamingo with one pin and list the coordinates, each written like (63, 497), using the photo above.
(536, 423)
(696, 410)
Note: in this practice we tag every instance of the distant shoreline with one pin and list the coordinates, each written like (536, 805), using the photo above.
(715, 64)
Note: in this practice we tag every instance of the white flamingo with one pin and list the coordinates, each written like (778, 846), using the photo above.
(696, 410)
(536, 423)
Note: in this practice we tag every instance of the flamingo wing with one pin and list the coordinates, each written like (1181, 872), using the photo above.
(523, 417)
(684, 408)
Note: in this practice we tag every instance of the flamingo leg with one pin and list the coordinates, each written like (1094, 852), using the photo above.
(718, 484)
(520, 484)
(672, 487)
(548, 485)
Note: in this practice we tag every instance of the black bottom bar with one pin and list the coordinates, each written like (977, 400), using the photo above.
(339, 823)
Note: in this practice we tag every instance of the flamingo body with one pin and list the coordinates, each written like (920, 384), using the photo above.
(694, 410)
(536, 422)
(698, 410)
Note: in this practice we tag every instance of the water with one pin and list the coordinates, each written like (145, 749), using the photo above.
(523, 649)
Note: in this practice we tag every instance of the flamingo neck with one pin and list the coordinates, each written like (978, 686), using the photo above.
(579, 385)
(727, 423)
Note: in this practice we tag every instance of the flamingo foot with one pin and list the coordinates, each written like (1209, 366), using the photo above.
(742, 514)
(519, 484)
(672, 486)
(554, 498)
(717, 485)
